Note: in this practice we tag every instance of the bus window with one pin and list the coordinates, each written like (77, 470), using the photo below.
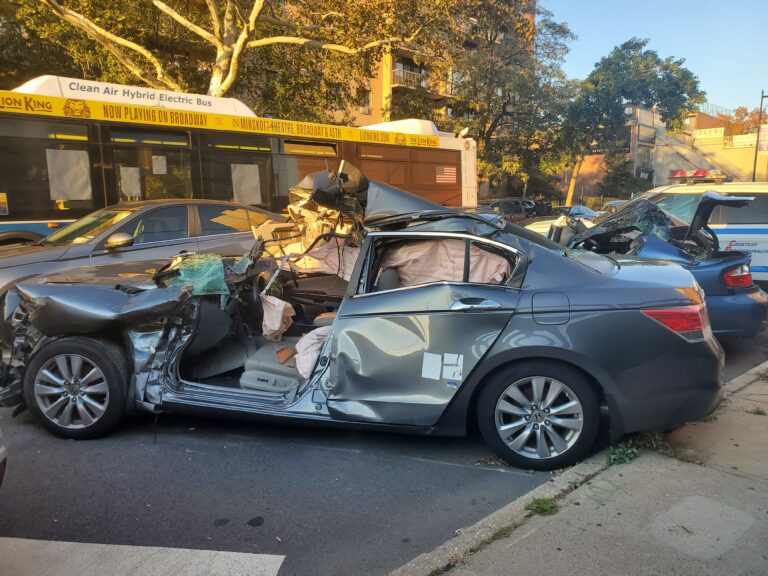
(235, 177)
(44, 130)
(289, 171)
(45, 170)
(378, 152)
(151, 165)
(309, 148)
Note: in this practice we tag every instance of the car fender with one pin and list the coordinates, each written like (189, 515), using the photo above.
(457, 415)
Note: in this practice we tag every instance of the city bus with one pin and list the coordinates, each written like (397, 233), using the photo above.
(70, 146)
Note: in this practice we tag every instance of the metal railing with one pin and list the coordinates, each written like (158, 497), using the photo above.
(714, 109)
(419, 80)
(408, 78)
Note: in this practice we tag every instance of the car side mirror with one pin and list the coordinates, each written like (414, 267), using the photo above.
(118, 240)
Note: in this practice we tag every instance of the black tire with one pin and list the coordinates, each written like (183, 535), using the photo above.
(108, 358)
(577, 384)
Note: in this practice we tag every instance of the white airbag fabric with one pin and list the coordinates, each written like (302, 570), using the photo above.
(308, 349)
(428, 261)
(333, 257)
(278, 317)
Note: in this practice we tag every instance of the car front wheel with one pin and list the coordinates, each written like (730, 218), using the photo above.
(77, 386)
(539, 415)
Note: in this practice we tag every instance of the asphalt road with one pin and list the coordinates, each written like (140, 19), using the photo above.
(331, 502)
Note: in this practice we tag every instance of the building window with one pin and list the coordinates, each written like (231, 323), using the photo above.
(366, 101)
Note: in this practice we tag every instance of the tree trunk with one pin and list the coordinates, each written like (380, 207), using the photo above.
(219, 72)
(572, 183)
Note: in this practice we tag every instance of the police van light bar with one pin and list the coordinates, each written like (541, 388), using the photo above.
(689, 175)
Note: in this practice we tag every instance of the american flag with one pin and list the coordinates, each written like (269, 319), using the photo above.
(445, 174)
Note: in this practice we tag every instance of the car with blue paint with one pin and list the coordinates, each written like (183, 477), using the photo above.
(644, 227)
(739, 229)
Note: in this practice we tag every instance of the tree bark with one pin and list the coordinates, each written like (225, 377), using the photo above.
(572, 183)
(231, 37)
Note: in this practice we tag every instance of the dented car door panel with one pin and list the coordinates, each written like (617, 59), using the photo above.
(400, 356)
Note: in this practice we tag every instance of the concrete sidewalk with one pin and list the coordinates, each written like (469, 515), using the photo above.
(701, 509)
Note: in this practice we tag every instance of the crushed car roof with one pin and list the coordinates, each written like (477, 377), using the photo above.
(377, 205)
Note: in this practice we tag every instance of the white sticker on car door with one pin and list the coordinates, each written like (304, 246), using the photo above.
(431, 366)
(447, 366)
(453, 366)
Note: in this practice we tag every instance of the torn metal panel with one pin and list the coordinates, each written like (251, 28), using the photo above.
(57, 308)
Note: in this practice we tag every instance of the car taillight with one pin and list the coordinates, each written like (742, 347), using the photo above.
(739, 277)
(690, 322)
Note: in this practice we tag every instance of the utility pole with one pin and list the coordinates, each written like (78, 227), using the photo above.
(763, 96)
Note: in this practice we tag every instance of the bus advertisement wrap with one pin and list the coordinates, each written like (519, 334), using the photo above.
(127, 113)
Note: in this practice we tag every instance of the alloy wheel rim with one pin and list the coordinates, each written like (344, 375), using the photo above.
(539, 417)
(71, 391)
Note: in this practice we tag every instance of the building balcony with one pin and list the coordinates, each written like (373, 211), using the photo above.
(408, 79)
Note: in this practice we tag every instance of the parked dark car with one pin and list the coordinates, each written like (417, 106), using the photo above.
(737, 307)
(580, 212)
(448, 318)
(134, 231)
(513, 210)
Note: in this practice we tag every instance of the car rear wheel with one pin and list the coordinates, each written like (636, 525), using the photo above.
(539, 415)
(77, 386)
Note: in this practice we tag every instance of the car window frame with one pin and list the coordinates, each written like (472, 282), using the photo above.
(362, 271)
(101, 243)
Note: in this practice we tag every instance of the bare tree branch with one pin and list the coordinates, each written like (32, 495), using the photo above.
(332, 47)
(230, 21)
(296, 27)
(191, 26)
(213, 10)
(111, 42)
(240, 45)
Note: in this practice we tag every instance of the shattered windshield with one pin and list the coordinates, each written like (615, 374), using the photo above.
(88, 227)
(616, 234)
(682, 206)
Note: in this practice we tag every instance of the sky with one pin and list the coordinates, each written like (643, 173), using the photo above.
(725, 44)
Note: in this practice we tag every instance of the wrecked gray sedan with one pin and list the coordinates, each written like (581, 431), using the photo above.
(387, 313)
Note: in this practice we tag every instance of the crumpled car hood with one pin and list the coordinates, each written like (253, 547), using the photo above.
(125, 273)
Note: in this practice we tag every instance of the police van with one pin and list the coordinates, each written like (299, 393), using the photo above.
(743, 229)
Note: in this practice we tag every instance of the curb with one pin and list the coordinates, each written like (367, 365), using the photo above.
(500, 523)
(744, 380)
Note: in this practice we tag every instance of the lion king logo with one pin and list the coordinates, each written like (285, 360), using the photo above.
(76, 108)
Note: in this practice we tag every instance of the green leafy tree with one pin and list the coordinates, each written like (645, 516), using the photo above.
(630, 74)
(23, 54)
(306, 57)
(506, 88)
(618, 179)
(742, 121)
